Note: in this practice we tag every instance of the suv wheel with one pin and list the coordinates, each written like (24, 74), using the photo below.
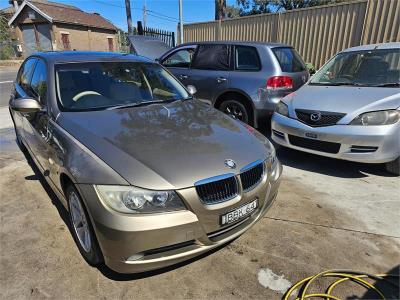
(82, 229)
(237, 109)
(394, 166)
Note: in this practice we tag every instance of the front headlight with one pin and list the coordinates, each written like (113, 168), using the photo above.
(129, 199)
(383, 117)
(282, 108)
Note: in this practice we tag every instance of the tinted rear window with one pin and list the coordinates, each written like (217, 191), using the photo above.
(289, 60)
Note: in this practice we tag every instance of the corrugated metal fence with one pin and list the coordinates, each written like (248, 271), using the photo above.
(316, 32)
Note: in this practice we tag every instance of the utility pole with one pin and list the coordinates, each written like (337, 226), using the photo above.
(180, 23)
(129, 16)
(144, 14)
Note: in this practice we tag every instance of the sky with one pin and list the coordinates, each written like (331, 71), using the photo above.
(164, 13)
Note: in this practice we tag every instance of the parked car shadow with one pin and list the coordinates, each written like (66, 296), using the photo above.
(388, 287)
(329, 166)
(107, 272)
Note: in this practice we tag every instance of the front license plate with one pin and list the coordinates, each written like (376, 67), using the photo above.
(311, 135)
(239, 213)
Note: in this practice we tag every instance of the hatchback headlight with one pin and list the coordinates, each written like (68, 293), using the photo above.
(282, 109)
(383, 117)
(128, 199)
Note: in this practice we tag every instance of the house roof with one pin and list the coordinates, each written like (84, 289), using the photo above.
(68, 14)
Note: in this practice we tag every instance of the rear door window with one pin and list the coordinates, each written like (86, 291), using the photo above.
(25, 74)
(180, 59)
(212, 57)
(246, 59)
(289, 59)
(38, 82)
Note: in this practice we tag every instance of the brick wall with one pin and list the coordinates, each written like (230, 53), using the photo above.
(83, 38)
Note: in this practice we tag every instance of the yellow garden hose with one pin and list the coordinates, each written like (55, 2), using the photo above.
(344, 275)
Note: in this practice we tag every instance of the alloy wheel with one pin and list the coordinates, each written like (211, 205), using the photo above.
(236, 111)
(79, 222)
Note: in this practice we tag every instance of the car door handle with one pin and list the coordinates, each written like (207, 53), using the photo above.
(221, 79)
(182, 77)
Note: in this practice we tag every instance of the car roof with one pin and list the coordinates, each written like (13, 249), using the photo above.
(88, 56)
(240, 43)
(373, 47)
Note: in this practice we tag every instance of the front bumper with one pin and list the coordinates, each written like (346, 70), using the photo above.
(159, 240)
(367, 144)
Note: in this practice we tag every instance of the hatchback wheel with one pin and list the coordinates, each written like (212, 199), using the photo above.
(82, 229)
(394, 166)
(236, 109)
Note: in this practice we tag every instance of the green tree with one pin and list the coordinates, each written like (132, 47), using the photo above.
(4, 29)
(252, 7)
(6, 50)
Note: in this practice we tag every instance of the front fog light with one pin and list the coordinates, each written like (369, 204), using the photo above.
(129, 199)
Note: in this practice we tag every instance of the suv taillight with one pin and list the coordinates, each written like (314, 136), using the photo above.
(279, 83)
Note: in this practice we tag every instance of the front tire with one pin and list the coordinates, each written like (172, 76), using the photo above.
(393, 166)
(82, 229)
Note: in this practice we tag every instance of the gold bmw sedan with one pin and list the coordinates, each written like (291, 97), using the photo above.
(150, 176)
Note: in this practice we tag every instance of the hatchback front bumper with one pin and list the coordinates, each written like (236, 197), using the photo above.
(367, 144)
(138, 243)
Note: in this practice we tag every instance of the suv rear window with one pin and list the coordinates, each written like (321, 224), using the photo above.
(246, 59)
(289, 60)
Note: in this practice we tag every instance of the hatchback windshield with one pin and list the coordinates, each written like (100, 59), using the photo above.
(100, 85)
(361, 68)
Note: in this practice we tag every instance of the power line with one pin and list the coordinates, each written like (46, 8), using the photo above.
(149, 12)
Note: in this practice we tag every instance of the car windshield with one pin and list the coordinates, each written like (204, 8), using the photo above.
(102, 85)
(361, 68)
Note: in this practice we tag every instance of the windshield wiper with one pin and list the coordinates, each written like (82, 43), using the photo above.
(389, 84)
(143, 103)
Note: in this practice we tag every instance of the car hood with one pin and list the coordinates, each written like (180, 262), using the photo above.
(166, 146)
(148, 46)
(344, 99)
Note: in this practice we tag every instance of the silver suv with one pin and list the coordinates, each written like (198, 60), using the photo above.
(242, 79)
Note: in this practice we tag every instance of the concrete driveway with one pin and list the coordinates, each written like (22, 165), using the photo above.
(329, 214)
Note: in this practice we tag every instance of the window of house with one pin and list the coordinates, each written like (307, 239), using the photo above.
(110, 44)
(25, 74)
(212, 57)
(246, 59)
(65, 41)
(38, 82)
(180, 59)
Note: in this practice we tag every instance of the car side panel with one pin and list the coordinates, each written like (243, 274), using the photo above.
(71, 157)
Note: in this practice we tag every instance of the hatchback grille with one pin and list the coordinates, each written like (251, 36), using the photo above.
(251, 177)
(326, 118)
(217, 191)
(317, 145)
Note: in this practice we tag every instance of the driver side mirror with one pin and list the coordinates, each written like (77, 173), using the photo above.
(191, 89)
(25, 105)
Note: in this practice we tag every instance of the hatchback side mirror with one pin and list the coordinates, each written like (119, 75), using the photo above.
(25, 105)
(191, 89)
